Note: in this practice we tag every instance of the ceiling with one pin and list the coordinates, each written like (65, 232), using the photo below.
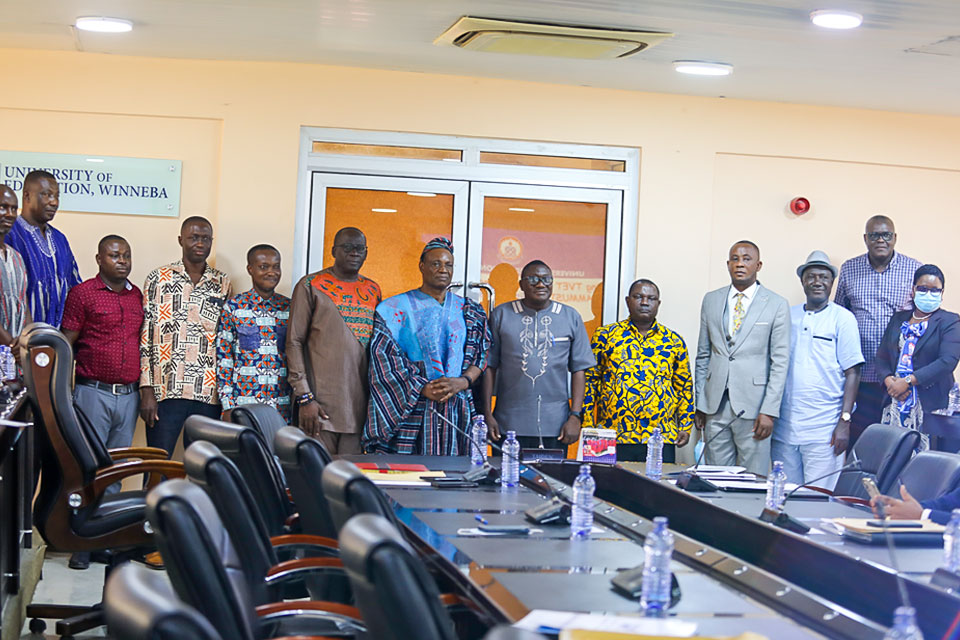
(905, 57)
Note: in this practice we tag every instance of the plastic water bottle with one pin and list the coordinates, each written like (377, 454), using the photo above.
(655, 455)
(904, 625)
(510, 464)
(8, 364)
(951, 543)
(657, 552)
(776, 486)
(581, 515)
(478, 436)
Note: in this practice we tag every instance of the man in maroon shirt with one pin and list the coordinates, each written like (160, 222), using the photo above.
(102, 318)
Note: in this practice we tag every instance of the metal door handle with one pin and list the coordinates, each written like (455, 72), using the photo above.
(454, 285)
(492, 297)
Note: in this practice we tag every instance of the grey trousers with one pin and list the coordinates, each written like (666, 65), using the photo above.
(113, 417)
(734, 444)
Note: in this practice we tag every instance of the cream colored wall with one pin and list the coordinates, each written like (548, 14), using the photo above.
(712, 170)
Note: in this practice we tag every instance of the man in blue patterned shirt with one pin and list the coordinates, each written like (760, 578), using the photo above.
(874, 286)
(251, 362)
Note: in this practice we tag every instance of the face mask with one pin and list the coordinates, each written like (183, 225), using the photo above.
(927, 302)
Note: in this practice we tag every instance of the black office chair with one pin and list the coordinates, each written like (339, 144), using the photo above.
(72, 511)
(883, 451)
(262, 417)
(397, 596)
(930, 474)
(140, 604)
(248, 450)
(260, 554)
(303, 460)
(349, 493)
(206, 573)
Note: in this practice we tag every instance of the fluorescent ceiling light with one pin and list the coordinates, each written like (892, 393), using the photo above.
(700, 68)
(102, 24)
(94, 159)
(384, 210)
(520, 209)
(450, 159)
(421, 194)
(831, 19)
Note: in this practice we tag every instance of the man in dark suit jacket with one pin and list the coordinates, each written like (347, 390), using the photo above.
(938, 509)
(742, 360)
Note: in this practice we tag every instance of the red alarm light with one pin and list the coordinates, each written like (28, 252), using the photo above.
(799, 206)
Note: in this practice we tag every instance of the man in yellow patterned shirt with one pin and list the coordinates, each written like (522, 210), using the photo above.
(642, 379)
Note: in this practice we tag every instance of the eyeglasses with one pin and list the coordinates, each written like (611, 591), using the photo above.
(886, 236)
(923, 289)
(535, 280)
(352, 248)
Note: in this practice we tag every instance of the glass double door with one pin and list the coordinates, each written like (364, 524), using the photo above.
(495, 228)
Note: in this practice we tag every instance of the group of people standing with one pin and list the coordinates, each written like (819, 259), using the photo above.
(398, 375)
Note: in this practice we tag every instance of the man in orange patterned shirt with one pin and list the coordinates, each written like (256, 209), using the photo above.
(328, 338)
(178, 352)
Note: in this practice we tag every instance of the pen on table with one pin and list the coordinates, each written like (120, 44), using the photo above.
(479, 518)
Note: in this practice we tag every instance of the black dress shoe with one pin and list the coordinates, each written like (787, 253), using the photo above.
(80, 560)
(103, 557)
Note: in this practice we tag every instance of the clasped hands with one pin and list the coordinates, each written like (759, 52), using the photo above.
(442, 389)
(897, 388)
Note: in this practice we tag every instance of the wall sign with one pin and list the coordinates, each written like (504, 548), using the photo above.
(101, 184)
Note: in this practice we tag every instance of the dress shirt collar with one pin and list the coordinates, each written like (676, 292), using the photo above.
(894, 261)
(104, 285)
(748, 293)
(180, 268)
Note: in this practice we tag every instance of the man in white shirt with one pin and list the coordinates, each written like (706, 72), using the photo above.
(813, 429)
(742, 359)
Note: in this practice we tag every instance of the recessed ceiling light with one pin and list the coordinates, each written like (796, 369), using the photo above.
(700, 68)
(832, 19)
(421, 194)
(521, 209)
(101, 24)
(94, 159)
(384, 210)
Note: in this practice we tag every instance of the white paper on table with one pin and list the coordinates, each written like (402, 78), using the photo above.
(741, 485)
(399, 483)
(719, 468)
(544, 620)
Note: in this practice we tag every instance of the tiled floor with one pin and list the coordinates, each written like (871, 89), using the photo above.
(61, 585)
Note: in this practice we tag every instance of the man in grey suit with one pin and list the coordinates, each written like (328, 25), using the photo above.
(742, 359)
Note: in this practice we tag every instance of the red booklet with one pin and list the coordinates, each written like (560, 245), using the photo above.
(384, 466)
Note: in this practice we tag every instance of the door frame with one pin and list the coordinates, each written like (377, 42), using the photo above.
(470, 169)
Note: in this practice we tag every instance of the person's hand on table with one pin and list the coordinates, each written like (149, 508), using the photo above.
(906, 509)
(762, 427)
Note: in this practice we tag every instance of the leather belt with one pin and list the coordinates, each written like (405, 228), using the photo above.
(115, 389)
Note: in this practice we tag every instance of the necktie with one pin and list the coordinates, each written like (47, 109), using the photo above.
(738, 313)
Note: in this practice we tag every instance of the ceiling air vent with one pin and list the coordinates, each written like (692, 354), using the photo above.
(537, 39)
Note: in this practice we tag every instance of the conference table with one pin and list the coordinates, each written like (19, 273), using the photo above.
(507, 576)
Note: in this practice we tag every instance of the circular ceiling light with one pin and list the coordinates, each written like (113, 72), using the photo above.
(700, 68)
(833, 19)
(102, 24)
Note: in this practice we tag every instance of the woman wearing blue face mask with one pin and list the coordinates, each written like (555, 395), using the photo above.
(918, 353)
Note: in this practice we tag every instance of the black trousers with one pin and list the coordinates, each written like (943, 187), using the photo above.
(869, 409)
(638, 452)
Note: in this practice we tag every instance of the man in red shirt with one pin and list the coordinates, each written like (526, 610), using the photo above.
(102, 319)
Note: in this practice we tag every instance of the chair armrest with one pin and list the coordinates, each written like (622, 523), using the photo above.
(307, 542)
(860, 502)
(117, 472)
(299, 567)
(144, 453)
(317, 616)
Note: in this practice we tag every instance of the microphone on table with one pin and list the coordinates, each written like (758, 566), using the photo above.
(779, 518)
(894, 564)
(688, 479)
(555, 510)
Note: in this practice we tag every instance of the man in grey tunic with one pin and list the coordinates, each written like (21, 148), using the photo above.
(537, 344)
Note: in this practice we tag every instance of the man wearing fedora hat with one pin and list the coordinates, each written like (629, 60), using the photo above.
(812, 431)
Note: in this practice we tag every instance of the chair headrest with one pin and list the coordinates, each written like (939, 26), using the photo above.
(198, 456)
(290, 443)
(362, 536)
(337, 477)
(225, 435)
(264, 418)
(140, 604)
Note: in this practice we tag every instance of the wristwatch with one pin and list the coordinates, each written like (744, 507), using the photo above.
(578, 414)
(845, 416)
